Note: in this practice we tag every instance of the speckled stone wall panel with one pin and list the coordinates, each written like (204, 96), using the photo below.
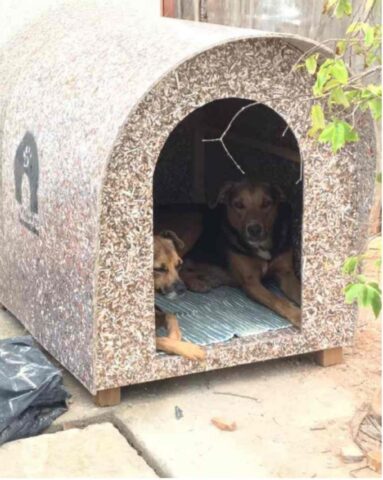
(100, 85)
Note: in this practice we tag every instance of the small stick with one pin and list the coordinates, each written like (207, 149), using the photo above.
(352, 472)
(237, 395)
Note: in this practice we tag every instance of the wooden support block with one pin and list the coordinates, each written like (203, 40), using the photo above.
(374, 460)
(108, 398)
(331, 356)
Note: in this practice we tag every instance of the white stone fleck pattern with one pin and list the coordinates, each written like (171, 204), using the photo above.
(100, 85)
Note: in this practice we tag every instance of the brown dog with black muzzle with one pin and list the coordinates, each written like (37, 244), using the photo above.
(166, 266)
(252, 234)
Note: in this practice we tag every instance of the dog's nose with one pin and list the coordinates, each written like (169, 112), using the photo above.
(180, 288)
(254, 230)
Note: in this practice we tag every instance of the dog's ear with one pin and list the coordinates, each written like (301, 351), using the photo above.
(223, 195)
(178, 243)
(282, 229)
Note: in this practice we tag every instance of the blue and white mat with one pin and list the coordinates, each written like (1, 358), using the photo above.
(220, 315)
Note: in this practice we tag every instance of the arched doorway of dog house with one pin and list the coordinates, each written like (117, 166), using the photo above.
(189, 176)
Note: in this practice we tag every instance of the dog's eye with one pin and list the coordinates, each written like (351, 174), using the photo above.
(161, 269)
(266, 203)
(238, 205)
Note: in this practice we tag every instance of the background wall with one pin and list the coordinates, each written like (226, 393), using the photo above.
(15, 15)
(303, 17)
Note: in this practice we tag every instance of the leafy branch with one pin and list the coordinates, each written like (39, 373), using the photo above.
(365, 292)
(345, 94)
(340, 96)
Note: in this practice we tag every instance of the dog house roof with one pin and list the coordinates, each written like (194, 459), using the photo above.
(98, 86)
(95, 61)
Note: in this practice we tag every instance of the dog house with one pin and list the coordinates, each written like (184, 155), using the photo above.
(89, 98)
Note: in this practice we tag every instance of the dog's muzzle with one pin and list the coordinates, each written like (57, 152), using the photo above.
(177, 289)
(254, 232)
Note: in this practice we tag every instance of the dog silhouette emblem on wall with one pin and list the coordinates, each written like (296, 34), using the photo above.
(26, 169)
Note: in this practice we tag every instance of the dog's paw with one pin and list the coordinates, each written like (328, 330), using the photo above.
(184, 349)
(191, 351)
(198, 284)
(295, 316)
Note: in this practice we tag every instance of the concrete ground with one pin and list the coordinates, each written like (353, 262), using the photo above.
(292, 417)
(95, 451)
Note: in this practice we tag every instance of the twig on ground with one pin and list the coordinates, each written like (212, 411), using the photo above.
(352, 472)
(248, 397)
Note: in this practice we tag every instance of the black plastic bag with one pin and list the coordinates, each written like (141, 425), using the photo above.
(31, 390)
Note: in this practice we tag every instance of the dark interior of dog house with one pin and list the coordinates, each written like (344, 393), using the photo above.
(191, 171)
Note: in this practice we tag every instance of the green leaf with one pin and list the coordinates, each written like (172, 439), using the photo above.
(328, 5)
(355, 291)
(376, 304)
(350, 265)
(347, 287)
(375, 89)
(366, 295)
(342, 8)
(330, 74)
(361, 278)
(317, 120)
(311, 63)
(337, 133)
(379, 177)
(330, 85)
(338, 97)
(340, 47)
(368, 35)
(375, 106)
(322, 76)
(354, 27)
(353, 95)
(373, 298)
(339, 71)
(375, 286)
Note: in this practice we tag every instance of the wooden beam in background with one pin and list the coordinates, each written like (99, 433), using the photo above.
(168, 8)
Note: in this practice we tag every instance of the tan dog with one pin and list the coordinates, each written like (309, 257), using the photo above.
(251, 233)
(166, 266)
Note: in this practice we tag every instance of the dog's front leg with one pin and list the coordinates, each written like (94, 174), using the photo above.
(170, 322)
(172, 343)
(282, 269)
(172, 327)
(283, 307)
(248, 272)
(290, 285)
(177, 347)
